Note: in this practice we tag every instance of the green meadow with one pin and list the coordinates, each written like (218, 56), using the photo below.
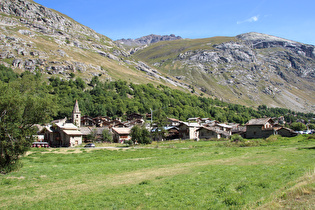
(263, 174)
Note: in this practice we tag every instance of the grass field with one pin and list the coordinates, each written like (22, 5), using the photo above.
(280, 173)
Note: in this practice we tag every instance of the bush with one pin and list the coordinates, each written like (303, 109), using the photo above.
(129, 143)
(237, 138)
(273, 138)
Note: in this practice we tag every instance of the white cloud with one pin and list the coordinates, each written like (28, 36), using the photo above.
(249, 20)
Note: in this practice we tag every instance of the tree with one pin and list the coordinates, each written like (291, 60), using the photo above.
(298, 126)
(72, 75)
(140, 135)
(311, 126)
(92, 136)
(107, 136)
(7, 74)
(19, 111)
(80, 83)
(159, 122)
(94, 81)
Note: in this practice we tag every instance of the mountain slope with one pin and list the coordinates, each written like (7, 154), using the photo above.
(36, 38)
(249, 69)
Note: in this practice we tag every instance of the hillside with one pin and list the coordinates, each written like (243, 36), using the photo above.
(35, 38)
(248, 69)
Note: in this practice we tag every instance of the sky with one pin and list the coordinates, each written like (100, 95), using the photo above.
(117, 19)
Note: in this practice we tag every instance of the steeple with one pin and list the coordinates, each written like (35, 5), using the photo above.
(76, 114)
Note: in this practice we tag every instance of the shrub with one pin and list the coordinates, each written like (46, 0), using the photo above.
(234, 200)
(237, 138)
(273, 138)
(129, 142)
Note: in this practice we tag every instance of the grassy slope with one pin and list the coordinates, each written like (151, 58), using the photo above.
(170, 50)
(178, 174)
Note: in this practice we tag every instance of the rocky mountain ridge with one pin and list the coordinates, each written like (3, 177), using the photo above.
(147, 40)
(134, 45)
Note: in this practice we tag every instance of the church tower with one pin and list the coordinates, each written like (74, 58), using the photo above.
(76, 114)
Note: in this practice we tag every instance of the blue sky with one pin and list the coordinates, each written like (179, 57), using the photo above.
(116, 19)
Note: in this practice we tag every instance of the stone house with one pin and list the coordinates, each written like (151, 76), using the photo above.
(94, 132)
(224, 127)
(212, 132)
(260, 128)
(194, 120)
(132, 123)
(134, 116)
(285, 132)
(120, 135)
(188, 130)
(87, 121)
(172, 133)
(62, 135)
(204, 121)
(173, 122)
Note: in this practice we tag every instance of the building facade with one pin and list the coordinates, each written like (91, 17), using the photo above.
(260, 128)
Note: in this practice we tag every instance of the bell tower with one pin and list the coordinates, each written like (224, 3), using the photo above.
(76, 114)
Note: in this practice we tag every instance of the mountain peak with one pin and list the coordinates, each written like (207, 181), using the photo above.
(255, 36)
(149, 39)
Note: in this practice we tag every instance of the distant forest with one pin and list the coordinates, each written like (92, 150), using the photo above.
(118, 98)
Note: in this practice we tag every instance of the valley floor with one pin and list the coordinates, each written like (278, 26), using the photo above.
(280, 173)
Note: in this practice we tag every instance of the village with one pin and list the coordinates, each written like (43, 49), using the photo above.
(75, 132)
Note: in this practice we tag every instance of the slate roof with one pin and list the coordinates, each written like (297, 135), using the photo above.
(174, 120)
(122, 131)
(259, 121)
(73, 132)
(88, 130)
(215, 130)
(67, 126)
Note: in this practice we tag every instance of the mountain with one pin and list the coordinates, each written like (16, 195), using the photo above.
(35, 38)
(249, 69)
(147, 40)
